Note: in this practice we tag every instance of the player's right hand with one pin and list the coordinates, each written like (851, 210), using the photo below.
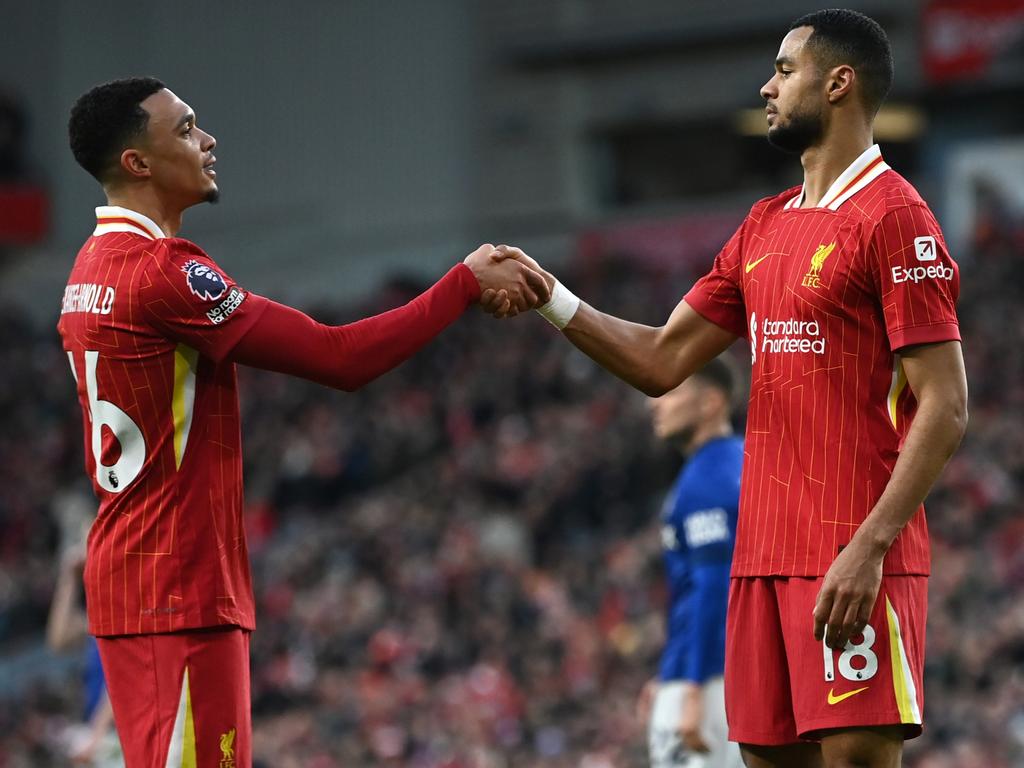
(507, 286)
(502, 252)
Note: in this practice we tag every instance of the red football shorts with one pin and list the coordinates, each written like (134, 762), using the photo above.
(181, 699)
(782, 685)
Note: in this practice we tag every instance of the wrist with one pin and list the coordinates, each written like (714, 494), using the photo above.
(873, 543)
(467, 280)
(562, 307)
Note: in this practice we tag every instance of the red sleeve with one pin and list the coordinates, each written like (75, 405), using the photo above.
(188, 298)
(349, 356)
(917, 281)
(718, 296)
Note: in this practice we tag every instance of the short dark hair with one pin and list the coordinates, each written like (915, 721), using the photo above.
(105, 119)
(718, 373)
(842, 36)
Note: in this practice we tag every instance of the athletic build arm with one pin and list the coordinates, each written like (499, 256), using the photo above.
(349, 356)
(935, 374)
(654, 360)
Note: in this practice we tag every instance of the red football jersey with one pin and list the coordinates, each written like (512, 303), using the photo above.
(827, 296)
(146, 322)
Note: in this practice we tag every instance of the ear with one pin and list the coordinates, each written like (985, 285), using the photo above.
(135, 164)
(840, 82)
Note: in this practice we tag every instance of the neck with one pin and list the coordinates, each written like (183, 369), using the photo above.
(824, 162)
(148, 203)
(705, 433)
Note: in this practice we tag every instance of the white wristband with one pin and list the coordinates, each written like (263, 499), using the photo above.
(563, 305)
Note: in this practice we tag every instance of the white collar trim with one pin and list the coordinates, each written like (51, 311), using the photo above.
(861, 172)
(114, 218)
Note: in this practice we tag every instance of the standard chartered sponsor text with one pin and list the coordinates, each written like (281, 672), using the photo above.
(792, 335)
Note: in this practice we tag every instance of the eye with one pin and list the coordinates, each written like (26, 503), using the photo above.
(785, 72)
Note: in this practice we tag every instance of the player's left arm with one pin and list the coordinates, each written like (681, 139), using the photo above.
(936, 376)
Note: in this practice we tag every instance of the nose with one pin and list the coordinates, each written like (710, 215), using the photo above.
(209, 142)
(768, 90)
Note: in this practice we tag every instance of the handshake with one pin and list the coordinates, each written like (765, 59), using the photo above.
(510, 281)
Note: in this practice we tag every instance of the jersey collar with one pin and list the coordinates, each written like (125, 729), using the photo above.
(113, 218)
(862, 171)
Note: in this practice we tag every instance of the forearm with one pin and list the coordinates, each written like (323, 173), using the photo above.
(349, 356)
(625, 349)
(931, 440)
(654, 360)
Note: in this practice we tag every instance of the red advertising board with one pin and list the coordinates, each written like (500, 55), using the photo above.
(964, 40)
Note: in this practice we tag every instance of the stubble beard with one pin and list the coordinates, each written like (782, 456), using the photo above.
(802, 131)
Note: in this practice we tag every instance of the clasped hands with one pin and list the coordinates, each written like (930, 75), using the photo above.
(510, 281)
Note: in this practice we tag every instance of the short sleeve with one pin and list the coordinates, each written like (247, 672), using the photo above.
(718, 296)
(185, 296)
(917, 281)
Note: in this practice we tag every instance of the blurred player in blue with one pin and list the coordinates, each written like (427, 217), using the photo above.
(686, 702)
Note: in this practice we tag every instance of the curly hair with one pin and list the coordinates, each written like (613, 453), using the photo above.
(841, 36)
(105, 119)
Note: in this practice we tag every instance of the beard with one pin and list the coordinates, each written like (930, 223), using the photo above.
(212, 196)
(802, 131)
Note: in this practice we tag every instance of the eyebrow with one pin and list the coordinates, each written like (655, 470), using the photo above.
(784, 61)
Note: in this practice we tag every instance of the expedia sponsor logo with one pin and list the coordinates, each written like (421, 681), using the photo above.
(919, 273)
(789, 336)
(924, 248)
(223, 311)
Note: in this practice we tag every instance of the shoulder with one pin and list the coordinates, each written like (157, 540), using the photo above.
(769, 206)
(181, 264)
(891, 194)
(176, 250)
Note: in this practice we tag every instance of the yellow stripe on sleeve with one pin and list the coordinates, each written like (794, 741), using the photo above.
(899, 383)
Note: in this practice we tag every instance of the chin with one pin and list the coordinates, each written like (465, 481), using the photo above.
(212, 195)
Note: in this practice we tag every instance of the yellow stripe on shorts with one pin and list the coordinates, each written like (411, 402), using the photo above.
(902, 677)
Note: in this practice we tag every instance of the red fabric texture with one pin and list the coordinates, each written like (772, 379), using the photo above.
(776, 689)
(146, 324)
(826, 299)
(349, 356)
(145, 674)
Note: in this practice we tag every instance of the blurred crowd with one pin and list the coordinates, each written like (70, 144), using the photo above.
(458, 567)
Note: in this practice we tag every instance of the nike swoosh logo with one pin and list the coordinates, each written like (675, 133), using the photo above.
(752, 264)
(833, 699)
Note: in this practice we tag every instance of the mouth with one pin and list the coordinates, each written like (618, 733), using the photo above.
(208, 167)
